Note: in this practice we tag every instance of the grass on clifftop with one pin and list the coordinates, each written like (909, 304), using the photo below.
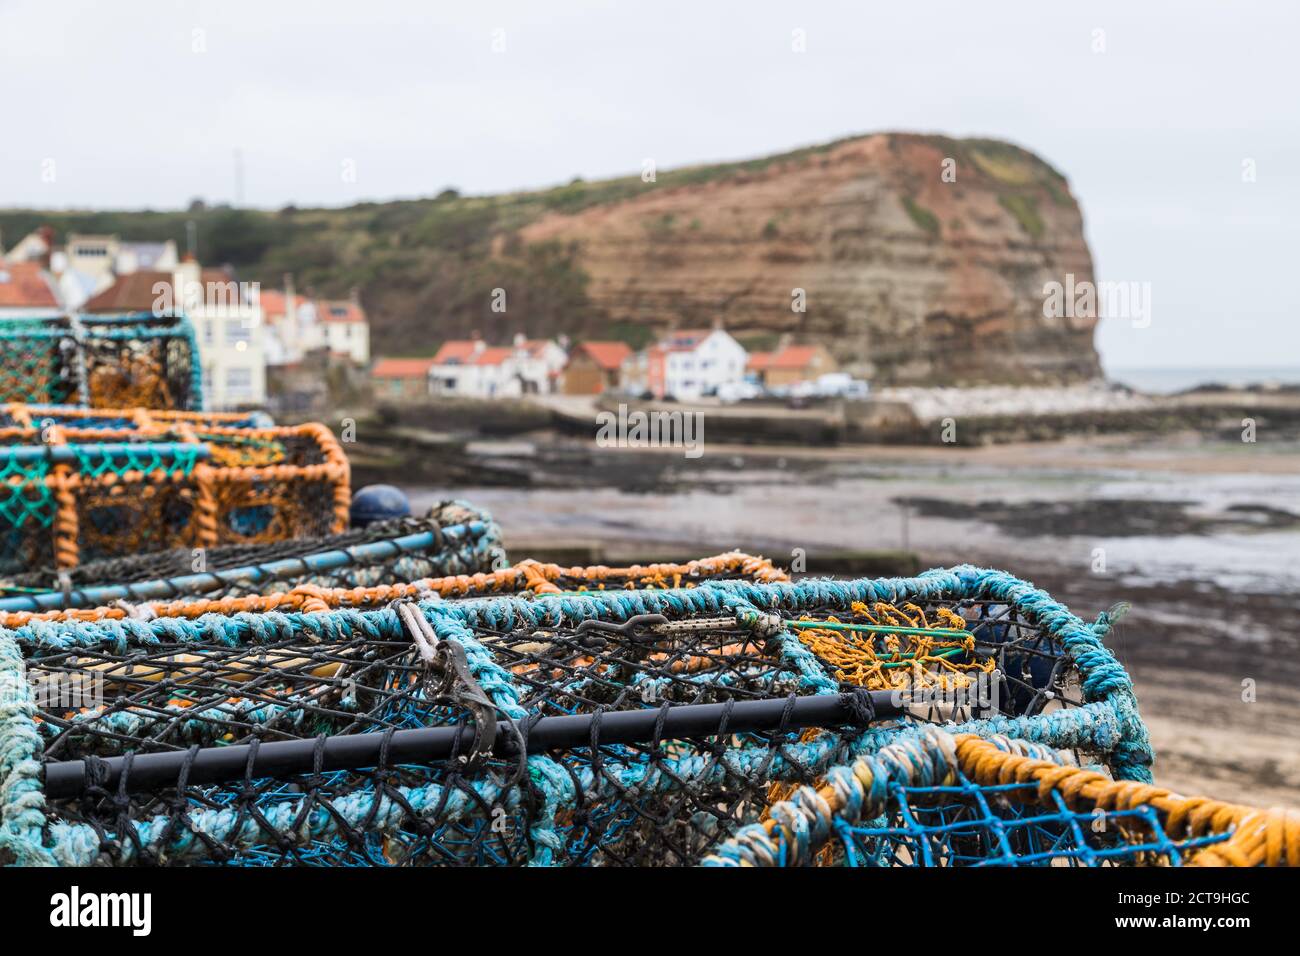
(426, 268)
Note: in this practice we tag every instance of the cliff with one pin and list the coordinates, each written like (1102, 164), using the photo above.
(906, 278)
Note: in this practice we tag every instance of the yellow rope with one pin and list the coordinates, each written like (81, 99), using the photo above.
(858, 661)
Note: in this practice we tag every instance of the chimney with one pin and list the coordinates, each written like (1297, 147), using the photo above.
(784, 341)
(47, 236)
(354, 295)
(289, 305)
(189, 294)
(520, 339)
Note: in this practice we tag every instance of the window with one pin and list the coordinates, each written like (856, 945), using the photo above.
(239, 381)
(237, 332)
(209, 333)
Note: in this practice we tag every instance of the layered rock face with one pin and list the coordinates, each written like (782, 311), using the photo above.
(905, 277)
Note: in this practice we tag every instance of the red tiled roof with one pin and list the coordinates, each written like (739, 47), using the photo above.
(685, 340)
(24, 285)
(275, 302)
(402, 368)
(493, 356)
(340, 311)
(454, 350)
(793, 357)
(608, 355)
(132, 292)
(759, 361)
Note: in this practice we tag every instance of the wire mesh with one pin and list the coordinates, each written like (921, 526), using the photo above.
(963, 801)
(453, 538)
(101, 361)
(130, 491)
(664, 798)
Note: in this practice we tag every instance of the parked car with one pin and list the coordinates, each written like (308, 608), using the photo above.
(731, 392)
(841, 385)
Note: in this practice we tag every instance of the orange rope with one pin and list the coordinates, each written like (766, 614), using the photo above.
(213, 491)
(526, 575)
(1259, 837)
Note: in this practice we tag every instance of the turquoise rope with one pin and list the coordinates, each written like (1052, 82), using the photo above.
(1108, 723)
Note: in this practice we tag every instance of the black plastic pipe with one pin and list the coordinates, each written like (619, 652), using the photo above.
(429, 745)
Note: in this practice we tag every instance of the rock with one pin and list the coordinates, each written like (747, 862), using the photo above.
(908, 279)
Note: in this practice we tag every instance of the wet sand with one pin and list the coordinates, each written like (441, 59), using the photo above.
(1202, 539)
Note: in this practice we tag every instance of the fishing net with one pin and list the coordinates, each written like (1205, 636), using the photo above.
(454, 538)
(101, 361)
(377, 565)
(19, 415)
(955, 801)
(81, 494)
(629, 727)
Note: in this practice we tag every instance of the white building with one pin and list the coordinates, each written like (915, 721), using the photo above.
(687, 365)
(474, 369)
(87, 265)
(347, 332)
(538, 364)
(297, 325)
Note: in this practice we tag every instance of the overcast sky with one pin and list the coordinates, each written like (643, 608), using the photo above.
(142, 103)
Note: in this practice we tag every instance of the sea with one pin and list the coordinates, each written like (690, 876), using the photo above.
(1166, 381)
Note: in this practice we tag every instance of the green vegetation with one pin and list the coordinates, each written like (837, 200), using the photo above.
(1025, 209)
(1007, 169)
(636, 336)
(1057, 190)
(760, 341)
(426, 268)
(921, 216)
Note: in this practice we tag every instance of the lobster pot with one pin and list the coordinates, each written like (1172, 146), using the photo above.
(631, 727)
(75, 495)
(364, 568)
(939, 799)
(18, 415)
(454, 538)
(101, 361)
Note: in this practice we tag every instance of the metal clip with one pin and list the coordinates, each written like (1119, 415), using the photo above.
(455, 683)
(643, 628)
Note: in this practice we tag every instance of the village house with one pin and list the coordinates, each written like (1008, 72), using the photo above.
(26, 291)
(538, 363)
(474, 369)
(293, 330)
(401, 379)
(687, 365)
(347, 331)
(790, 364)
(595, 367)
(227, 322)
(88, 264)
(298, 325)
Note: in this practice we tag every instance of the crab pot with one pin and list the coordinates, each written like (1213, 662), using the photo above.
(891, 660)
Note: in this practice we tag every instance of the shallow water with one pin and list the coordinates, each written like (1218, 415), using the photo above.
(1238, 530)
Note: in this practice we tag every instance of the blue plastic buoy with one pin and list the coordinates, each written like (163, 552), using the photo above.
(378, 503)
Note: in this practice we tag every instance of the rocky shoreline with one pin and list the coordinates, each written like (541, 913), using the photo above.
(521, 442)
